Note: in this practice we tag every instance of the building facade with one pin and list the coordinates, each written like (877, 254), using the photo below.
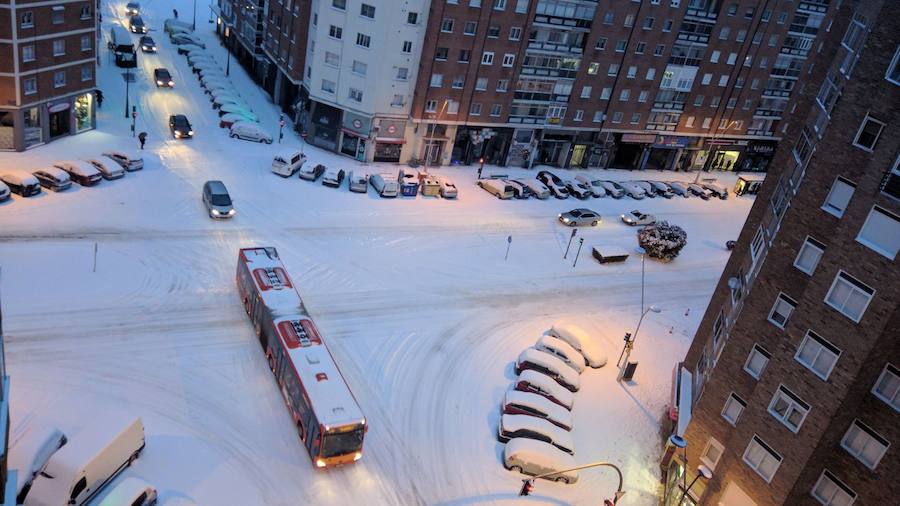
(792, 380)
(48, 53)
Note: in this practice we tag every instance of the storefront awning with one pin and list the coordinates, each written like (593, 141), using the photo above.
(351, 132)
(390, 140)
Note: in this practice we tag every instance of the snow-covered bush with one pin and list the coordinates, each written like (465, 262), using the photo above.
(662, 241)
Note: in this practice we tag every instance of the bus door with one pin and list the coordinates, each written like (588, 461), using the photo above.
(313, 439)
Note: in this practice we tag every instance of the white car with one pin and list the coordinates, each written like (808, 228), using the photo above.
(612, 189)
(717, 190)
(130, 491)
(512, 426)
(448, 188)
(236, 109)
(333, 177)
(223, 97)
(699, 191)
(538, 189)
(561, 350)
(31, 451)
(632, 190)
(385, 184)
(109, 168)
(82, 173)
(185, 38)
(578, 189)
(527, 403)
(186, 47)
(596, 188)
(635, 218)
(648, 189)
(661, 189)
(128, 160)
(533, 381)
(545, 363)
(197, 57)
(520, 191)
(592, 351)
(358, 181)
(534, 458)
(679, 188)
(249, 131)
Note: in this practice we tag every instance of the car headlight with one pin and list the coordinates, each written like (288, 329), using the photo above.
(357, 456)
(231, 212)
(171, 83)
(566, 220)
(216, 212)
(190, 132)
(623, 217)
(159, 83)
(320, 463)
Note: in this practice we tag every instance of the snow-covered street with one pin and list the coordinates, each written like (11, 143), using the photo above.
(421, 311)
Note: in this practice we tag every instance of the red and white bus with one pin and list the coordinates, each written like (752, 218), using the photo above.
(330, 422)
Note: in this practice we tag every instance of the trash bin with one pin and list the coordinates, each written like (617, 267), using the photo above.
(409, 182)
(431, 187)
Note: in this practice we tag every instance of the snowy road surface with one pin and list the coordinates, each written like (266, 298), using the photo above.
(422, 313)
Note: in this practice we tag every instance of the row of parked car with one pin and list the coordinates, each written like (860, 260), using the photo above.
(60, 175)
(536, 417)
(548, 184)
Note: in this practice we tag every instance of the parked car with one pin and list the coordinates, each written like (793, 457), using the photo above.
(172, 25)
(333, 177)
(358, 181)
(561, 350)
(661, 189)
(198, 57)
(5, 193)
(82, 173)
(312, 172)
(249, 131)
(527, 403)
(132, 8)
(632, 190)
(534, 458)
(532, 358)
(163, 78)
(185, 47)
(594, 356)
(644, 185)
(30, 453)
(53, 178)
(520, 191)
(186, 38)
(699, 191)
(595, 187)
(180, 127)
(580, 217)
(286, 163)
(554, 183)
(231, 118)
(136, 24)
(109, 168)
(538, 189)
(577, 189)
(515, 426)
(234, 108)
(130, 492)
(497, 188)
(533, 381)
(385, 184)
(613, 189)
(222, 97)
(217, 200)
(679, 188)
(148, 45)
(448, 187)
(716, 190)
(129, 161)
(635, 218)
(21, 183)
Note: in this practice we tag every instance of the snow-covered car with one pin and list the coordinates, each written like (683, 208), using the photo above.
(716, 190)
(30, 453)
(287, 162)
(520, 191)
(661, 189)
(513, 426)
(596, 188)
(128, 160)
(21, 183)
(679, 188)
(131, 491)
(538, 189)
(561, 350)
(333, 177)
(385, 184)
(249, 131)
(223, 97)
(533, 381)
(579, 190)
(448, 187)
(554, 183)
(527, 403)
(5, 192)
(53, 178)
(214, 85)
(497, 187)
(231, 118)
(647, 187)
(186, 47)
(613, 189)
(311, 172)
(236, 109)
(109, 168)
(594, 355)
(198, 57)
(82, 173)
(580, 217)
(185, 39)
(171, 25)
(209, 73)
(699, 191)
(534, 458)
(632, 190)
(635, 218)
(358, 181)
(535, 359)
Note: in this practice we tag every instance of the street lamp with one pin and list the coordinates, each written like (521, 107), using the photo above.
(709, 157)
(629, 344)
(528, 484)
(702, 471)
(641, 251)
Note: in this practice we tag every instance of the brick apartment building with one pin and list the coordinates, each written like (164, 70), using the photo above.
(47, 70)
(794, 373)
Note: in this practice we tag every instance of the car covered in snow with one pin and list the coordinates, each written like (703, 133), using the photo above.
(699, 191)
(131, 491)
(385, 184)
(635, 218)
(109, 168)
(561, 350)
(311, 172)
(512, 426)
(53, 178)
(163, 78)
(535, 458)
(577, 189)
(580, 217)
(231, 118)
(554, 183)
(333, 177)
(234, 108)
(128, 160)
(21, 183)
(538, 189)
(536, 382)
(448, 187)
(613, 189)
(661, 189)
(182, 39)
(172, 25)
(597, 189)
(358, 181)
(249, 131)
(527, 403)
(644, 185)
(30, 453)
(186, 47)
(537, 360)
(520, 191)
(198, 57)
(82, 173)
(220, 97)
(716, 190)
(632, 190)
(497, 187)
(592, 350)
(5, 192)
(679, 188)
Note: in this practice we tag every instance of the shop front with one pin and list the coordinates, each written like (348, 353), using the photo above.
(84, 112)
(632, 151)
(60, 118)
(722, 154)
(354, 135)
(666, 151)
(324, 125)
(389, 140)
(554, 147)
(474, 143)
(758, 156)
(522, 148)
(21, 129)
(435, 141)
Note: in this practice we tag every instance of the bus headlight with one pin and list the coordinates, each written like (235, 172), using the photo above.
(320, 463)
(357, 456)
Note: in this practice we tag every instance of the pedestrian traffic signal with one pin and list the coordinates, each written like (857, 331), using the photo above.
(527, 487)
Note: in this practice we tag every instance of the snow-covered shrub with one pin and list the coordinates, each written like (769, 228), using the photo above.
(662, 241)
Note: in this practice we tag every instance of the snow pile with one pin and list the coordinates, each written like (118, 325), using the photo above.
(662, 241)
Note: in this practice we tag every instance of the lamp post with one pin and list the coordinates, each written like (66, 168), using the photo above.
(641, 251)
(629, 345)
(702, 471)
(127, 76)
(194, 22)
(709, 157)
(528, 484)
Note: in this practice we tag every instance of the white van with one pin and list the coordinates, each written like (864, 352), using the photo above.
(87, 463)
(30, 452)
(249, 131)
(385, 184)
(130, 492)
(534, 458)
(497, 187)
(286, 163)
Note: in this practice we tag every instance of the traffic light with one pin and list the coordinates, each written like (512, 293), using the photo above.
(627, 337)
(527, 487)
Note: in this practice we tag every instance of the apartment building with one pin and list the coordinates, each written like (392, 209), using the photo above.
(240, 26)
(47, 70)
(790, 391)
(664, 84)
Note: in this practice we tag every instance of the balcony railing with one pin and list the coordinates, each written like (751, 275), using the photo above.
(669, 106)
(554, 47)
(539, 97)
(550, 72)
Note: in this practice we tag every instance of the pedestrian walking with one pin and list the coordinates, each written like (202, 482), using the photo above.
(143, 138)
(175, 13)
(99, 95)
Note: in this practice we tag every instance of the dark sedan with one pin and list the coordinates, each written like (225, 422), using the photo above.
(180, 127)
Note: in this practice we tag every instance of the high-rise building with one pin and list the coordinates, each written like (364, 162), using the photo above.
(47, 70)
(791, 388)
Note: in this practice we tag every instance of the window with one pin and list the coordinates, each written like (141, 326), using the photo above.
(608, 18)
(782, 310)
(30, 85)
(707, 78)
(328, 86)
(481, 83)
(515, 33)
(839, 196)
(458, 82)
(714, 56)
(335, 32)
(585, 92)
(757, 361)
(724, 33)
(773, 40)
(601, 44)
(363, 40)
(788, 408)
(809, 255)
(865, 444)
(640, 47)
(621, 44)
(689, 123)
(868, 133)
(59, 79)
(496, 109)
(339, 4)
(893, 71)
(624, 95)
(881, 232)
(412, 18)
(629, 21)
(86, 43)
(712, 453)
(464, 56)
(598, 116)
(617, 117)
(660, 49)
(355, 95)
(59, 47)
(734, 406)
(706, 123)
(332, 59)
(667, 26)
(817, 354)
(440, 54)
(741, 36)
(613, 69)
(502, 85)
(27, 19)
(437, 80)
(493, 32)
(642, 96)
(593, 68)
(407, 46)
(723, 80)
(431, 106)
(698, 100)
(732, 9)
(28, 53)
(509, 59)
(648, 23)
(605, 93)
(762, 458)
(499, 5)
(635, 118)
(367, 11)
(452, 107)
(754, 84)
(475, 3)
(470, 27)
(475, 109)
(402, 73)
(87, 72)
(632, 72)
(831, 491)
(359, 67)
(59, 13)
(849, 296)
(521, 6)
(732, 58)
(487, 58)
(579, 115)
(887, 387)
(397, 101)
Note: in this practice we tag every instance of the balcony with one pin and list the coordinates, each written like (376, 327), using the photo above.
(529, 97)
(701, 15)
(760, 132)
(555, 48)
(549, 72)
(668, 106)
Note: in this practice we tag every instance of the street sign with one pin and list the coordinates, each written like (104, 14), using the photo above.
(303, 134)
(281, 123)
(134, 114)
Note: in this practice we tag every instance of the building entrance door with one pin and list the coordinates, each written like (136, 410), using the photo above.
(59, 123)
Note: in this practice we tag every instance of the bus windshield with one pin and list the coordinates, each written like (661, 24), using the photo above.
(334, 445)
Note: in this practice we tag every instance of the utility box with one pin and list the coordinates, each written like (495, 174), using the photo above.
(630, 368)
